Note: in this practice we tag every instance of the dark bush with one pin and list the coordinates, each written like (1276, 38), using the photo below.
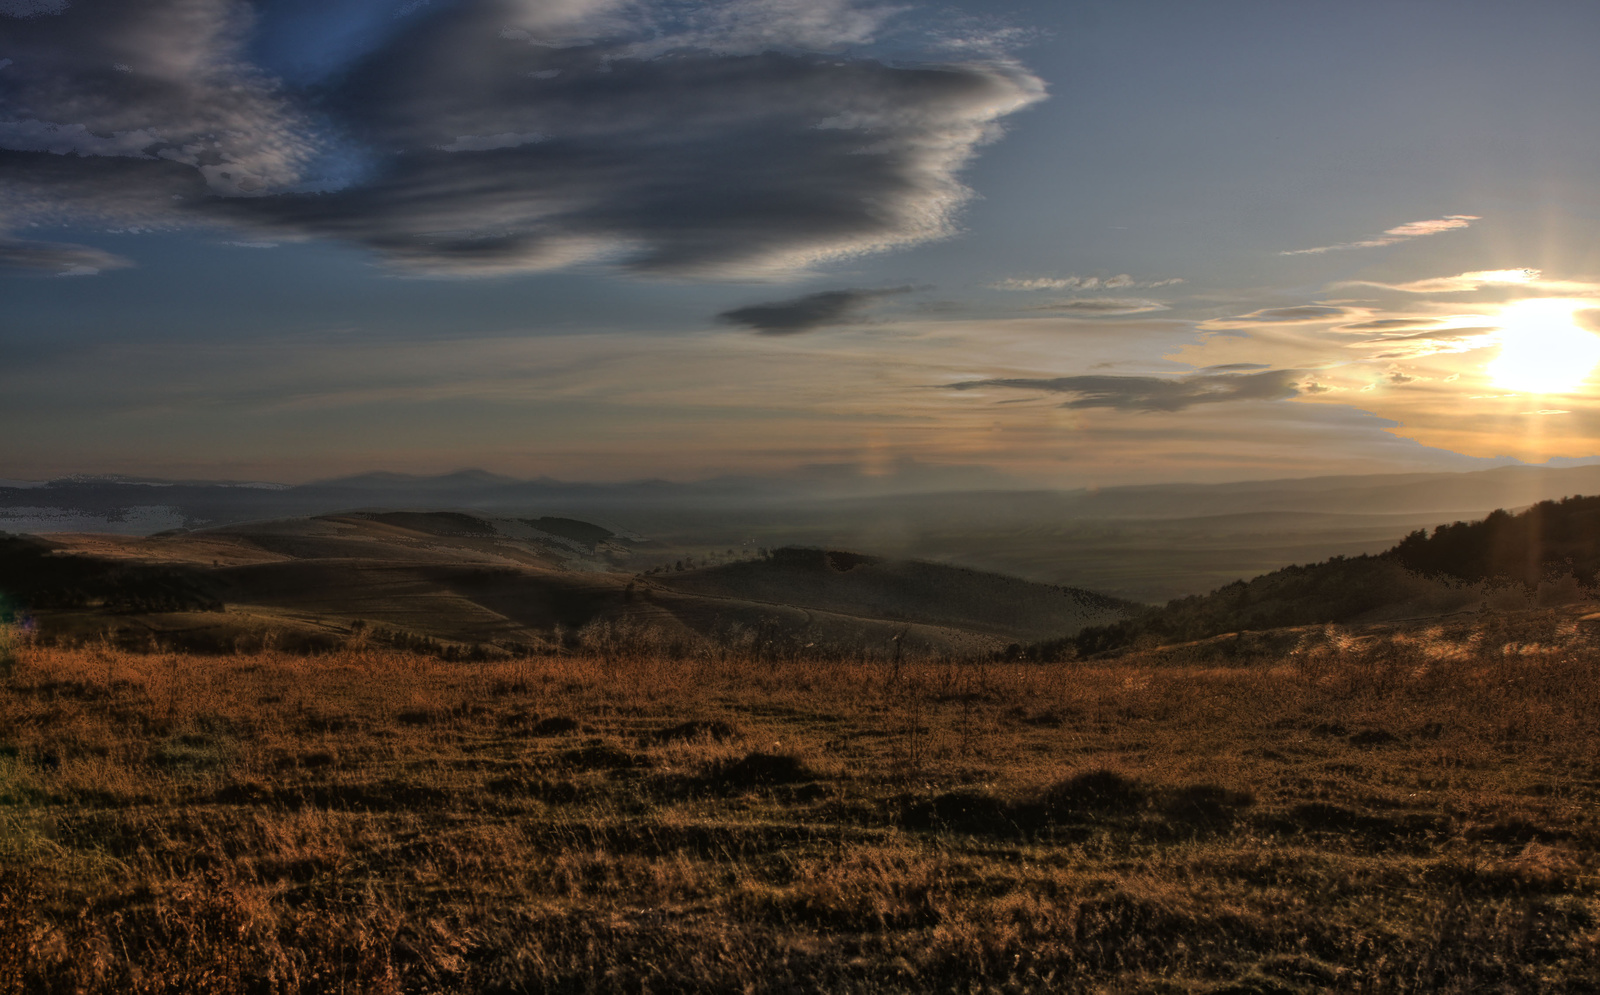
(694, 729)
(1094, 792)
(758, 769)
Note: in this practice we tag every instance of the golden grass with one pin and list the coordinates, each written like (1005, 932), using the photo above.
(1408, 811)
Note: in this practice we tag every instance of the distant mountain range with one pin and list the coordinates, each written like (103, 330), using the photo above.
(202, 503)
(1147, 543)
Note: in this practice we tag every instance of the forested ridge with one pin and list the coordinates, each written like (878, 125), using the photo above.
(1547, 541)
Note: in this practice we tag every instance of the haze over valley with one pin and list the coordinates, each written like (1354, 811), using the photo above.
(1146, 543)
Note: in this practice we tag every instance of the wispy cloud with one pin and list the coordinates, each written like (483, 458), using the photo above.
(59, 258)
(1395, 235)
(1103, 306)
(1119, 282)
(1419, 345)
(1461, 283)
(1156, 393)
(1299, 314)
(1391, 324)
(803, 314)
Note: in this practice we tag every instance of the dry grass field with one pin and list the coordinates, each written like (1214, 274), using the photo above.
(1405, 809)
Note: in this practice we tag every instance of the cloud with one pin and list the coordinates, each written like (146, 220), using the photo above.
(1395, 235)
(746, 139)
(486, 143)
(1157, 393)
(1302, 314)
(1103, 306)
(1467, 281)
(154, 80)
(1450, 334)
(31, 8)
(1415, 345)
(803, 314)
(1529, 279)
(1417, 335)
(60, 258)
(1389, 324)
(1120, 281)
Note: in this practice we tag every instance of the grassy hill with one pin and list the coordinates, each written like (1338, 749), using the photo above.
(850, 584)
(458, 583)
(1456, 566)
(1149, 543)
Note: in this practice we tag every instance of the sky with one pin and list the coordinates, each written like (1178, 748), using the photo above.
(967, 244)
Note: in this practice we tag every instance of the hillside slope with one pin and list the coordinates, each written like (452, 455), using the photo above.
(464, 583)
(1551, 539)
(1551, 549)
(905, 590)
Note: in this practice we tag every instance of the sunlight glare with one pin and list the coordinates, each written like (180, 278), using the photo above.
(1541, 350)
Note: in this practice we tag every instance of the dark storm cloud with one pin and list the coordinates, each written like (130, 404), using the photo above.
(802, 314)
(488, 136)
(1157, 393)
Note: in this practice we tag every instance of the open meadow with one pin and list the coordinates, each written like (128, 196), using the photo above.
(1392, 809)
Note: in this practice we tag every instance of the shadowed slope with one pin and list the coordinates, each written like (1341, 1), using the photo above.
(905, 590)
(463, 582)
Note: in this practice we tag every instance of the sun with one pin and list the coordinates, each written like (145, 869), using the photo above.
(1542, 351)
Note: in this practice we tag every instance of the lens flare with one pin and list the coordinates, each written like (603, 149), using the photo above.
(1542, 351)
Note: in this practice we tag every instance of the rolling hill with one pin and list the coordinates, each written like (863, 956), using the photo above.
(468, 583)
(850, 584)
(1147, 543)
(1548, 552)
